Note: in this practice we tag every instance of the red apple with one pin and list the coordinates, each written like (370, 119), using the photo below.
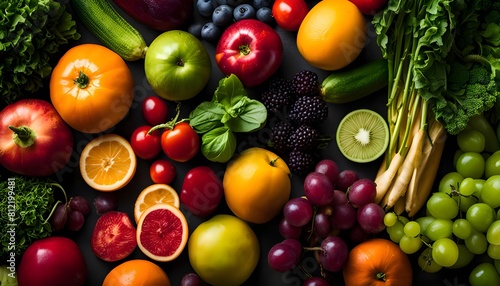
(201, 191)
(251, 50)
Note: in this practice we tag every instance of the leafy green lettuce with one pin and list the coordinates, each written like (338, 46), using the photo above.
(31, 32)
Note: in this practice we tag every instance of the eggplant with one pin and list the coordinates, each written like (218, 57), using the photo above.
(161, 15)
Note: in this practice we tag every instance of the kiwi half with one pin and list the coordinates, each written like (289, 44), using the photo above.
(362, 135)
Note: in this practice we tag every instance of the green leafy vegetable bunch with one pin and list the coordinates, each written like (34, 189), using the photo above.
(31, 32)
(230, 111)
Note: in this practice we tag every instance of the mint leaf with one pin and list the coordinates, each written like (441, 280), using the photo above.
(206, 116)
(218, 145)
(252, 118)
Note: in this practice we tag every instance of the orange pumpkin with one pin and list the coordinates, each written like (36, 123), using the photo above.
(377, 262)
(91, 87)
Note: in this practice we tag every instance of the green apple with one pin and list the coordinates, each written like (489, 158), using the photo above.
(177, 65)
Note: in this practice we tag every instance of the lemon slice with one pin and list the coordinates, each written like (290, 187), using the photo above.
(362, 136)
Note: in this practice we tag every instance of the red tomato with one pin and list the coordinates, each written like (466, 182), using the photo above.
(162, 172)
(289, 13)
(369, 7)
(154, 110)
(181, 143)
(201, 191)
(146, 146)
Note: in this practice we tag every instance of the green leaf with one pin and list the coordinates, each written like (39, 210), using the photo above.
(218, 145)
(207, 116)
(251, 119)
(229, 92)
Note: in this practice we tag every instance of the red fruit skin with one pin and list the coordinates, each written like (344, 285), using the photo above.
(114, 236)
(201, 191)
(289, 13)
(55, 261)
(146, 146)
(251, 50)
(161, 15)
(369, 7)
(53, 143)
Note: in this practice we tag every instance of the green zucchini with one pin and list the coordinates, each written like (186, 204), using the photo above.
(107, 25)
(346, 86)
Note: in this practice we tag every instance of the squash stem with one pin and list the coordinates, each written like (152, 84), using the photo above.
(82, 81)
(380, 276)
(23, 136)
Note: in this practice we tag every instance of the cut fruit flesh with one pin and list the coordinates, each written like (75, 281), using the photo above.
(155, 194)
(162, 232)
(108, 163)
(362, 135)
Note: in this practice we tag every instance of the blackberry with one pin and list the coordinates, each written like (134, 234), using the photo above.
(303, 138)
(301, 162)
(280, 133)
(309, 111)
(305, 82)
(278, 95)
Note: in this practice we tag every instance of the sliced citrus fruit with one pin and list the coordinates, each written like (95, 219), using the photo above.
(155, 194)
(108, 163)
(162, 232)
(362, 135)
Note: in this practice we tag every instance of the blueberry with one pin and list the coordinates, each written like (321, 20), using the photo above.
(223, 15)
(206, 7)
(234, 3)
(265, 15)
(195, 29)
(244, 11)
(261, 3)
(211, 32)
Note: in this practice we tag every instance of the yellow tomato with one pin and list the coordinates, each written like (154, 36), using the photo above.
(91, 87)
(223, 250)
(257, 185)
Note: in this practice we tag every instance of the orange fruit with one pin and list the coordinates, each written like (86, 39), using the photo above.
(162, 232)
(256, 185)
(107, 162)
(137, 272)
(155, 194)
(332, 35)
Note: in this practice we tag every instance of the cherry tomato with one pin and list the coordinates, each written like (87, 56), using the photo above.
(154, 110)
(146, 146)
(369, 7)
(181, 143)
(162, 172)
(289, 13)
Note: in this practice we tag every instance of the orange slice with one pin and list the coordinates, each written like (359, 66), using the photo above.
(108, 163)
(162, 232)
(155, 194)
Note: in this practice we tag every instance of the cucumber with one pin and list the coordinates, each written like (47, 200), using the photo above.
(107, 25)
(346, 86)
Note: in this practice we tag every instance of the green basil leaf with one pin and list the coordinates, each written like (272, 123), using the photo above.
(229, 92)
(251, 119)
(218, 145)
(206, 116)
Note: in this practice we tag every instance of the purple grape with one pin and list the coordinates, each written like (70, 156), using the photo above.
(343, 216)
(339, 198)
(315, 281)
(191, 279)
(357, 234)
(295, 245)
(298, 211)
(334, 254)
(282, 257)
(329, 168)
(79, 203)
(75, 220)
(289, 231)
(322, 225)
(59, 217)
(105, 202)
(346, 179)
(371, 218)
(362, 192)
(318, 189)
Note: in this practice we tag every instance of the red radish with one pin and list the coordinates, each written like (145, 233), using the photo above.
(114, 236)
(55, 261)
